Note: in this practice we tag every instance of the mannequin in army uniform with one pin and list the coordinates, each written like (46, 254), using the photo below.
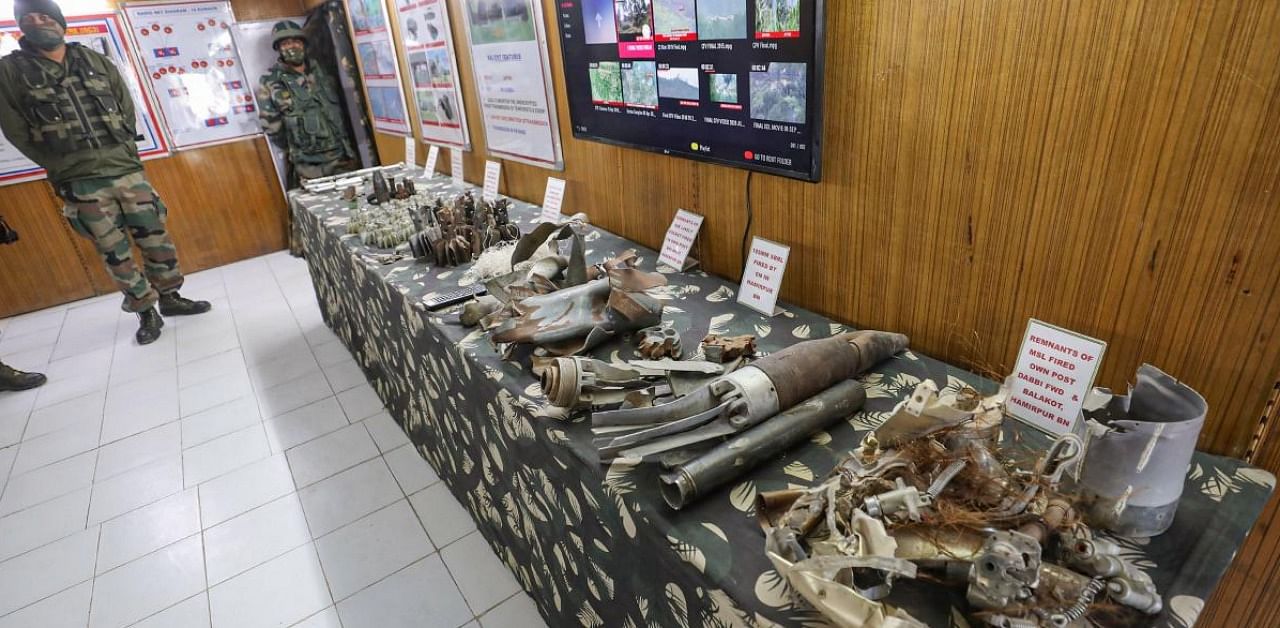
(299, 108)
(66, 108)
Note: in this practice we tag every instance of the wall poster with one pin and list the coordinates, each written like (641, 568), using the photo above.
(194, 70)
(376, 56)
(104, 33)
(508, 45)
(433, 70)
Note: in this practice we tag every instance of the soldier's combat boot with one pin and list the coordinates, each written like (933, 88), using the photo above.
(13, 379)
(149, 324)
(173, 304)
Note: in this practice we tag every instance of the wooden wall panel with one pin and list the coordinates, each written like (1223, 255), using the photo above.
(43, 267)
(254, 10)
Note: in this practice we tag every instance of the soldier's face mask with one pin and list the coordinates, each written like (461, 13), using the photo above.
(44, 32)
(293, 53)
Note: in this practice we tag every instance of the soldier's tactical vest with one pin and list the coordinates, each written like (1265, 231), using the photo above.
(312, 118)
(74, 111)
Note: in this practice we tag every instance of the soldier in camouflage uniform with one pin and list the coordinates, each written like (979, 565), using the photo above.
(298, 105)
(299, 108)
(66, 108)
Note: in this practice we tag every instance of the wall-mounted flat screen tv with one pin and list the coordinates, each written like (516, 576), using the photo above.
(735, 82)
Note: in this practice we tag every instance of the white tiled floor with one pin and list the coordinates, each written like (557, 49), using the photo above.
(239, 472)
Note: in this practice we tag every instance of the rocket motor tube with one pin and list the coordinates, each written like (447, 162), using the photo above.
(686, 482)
(808, 368)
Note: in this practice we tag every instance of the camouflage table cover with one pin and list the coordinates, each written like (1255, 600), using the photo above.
(597, 546)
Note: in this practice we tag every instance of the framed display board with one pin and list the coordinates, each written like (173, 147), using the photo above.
(508, 43)
(735, 82)
(432, 65)
(194, 71)
(103, 33)
(379, 68)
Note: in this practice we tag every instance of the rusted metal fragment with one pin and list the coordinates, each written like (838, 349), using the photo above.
(926, 412)
(576, 319)
(728, 348)
(547, 305)
(454, 233)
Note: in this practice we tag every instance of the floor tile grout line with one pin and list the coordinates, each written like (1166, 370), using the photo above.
(169, 607)
(513, 596)
(55, 497)
(88, 513)
(262, 410)
(58, 592)
(311, 534)
(454, 578)
(335, 473)
(8, 471)
(384, 577)
(93, 577)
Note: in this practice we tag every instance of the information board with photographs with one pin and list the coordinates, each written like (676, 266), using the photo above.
(194, 70)
(433, 69)
(378, 65)
(736, 82)
(105, 34)
(513, 80)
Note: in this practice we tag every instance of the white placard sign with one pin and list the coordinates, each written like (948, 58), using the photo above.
(680, 237)
(455, 166)
(433, 71)
(104, 33)
(492, 174)
(762, 277)
(1055, 371)
(552, 200)
(194, 70)
(433, 155)
(411, 153)
(508, 45)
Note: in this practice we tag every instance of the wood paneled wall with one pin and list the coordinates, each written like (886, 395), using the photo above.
(224, 205)
(1111, 167)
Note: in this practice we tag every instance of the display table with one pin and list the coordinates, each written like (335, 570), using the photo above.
(596, 545)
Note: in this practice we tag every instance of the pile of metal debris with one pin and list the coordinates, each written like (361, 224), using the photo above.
(560, 304)
(933, 496)
(455, 232)
(707, 422)
(383, 226)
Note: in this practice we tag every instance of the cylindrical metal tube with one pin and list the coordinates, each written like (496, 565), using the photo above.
(1135, 467)
(808, 368)
(688, 481)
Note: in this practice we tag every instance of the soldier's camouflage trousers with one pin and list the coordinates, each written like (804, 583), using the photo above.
(102, 210)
